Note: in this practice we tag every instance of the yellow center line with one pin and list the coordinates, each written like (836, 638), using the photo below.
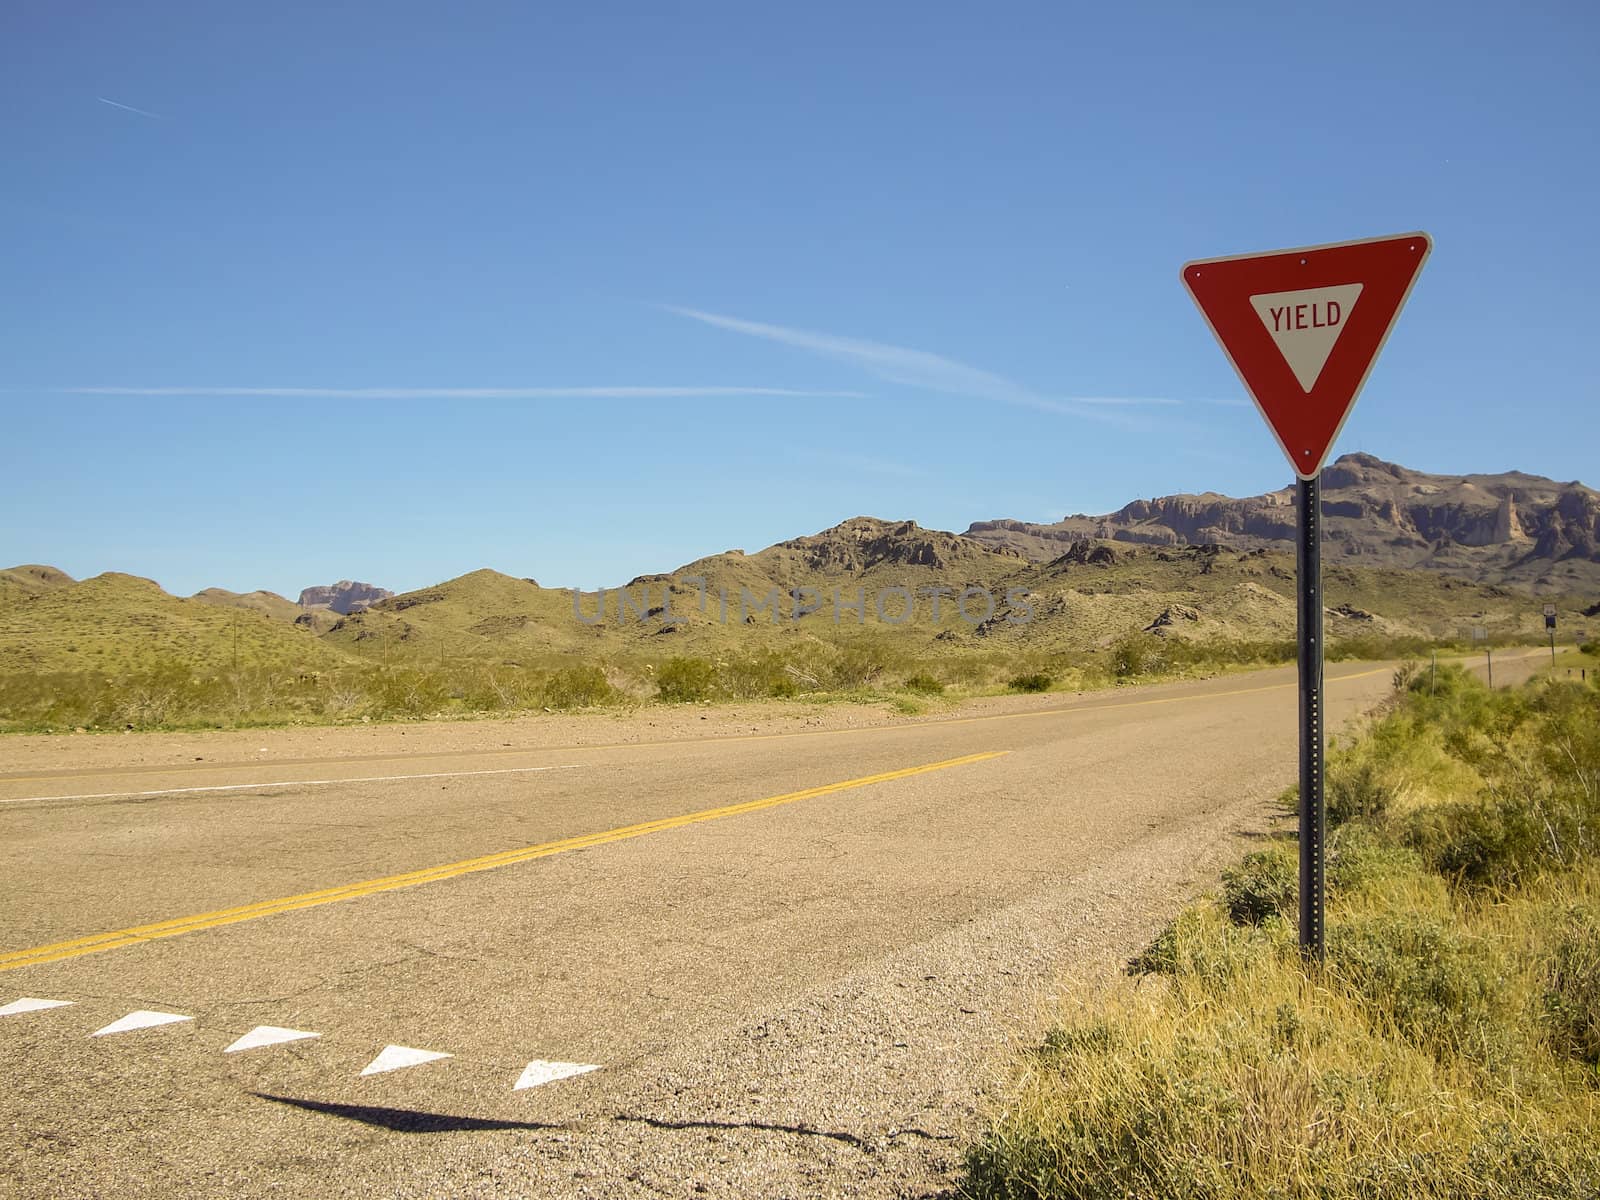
(117, 938)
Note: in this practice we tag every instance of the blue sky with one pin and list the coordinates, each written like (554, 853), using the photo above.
(394, 291)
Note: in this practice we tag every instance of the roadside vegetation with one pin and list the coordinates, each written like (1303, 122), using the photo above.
(1450, 1047)
(179, 693)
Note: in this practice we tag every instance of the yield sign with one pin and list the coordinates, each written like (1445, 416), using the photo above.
(1303, 328)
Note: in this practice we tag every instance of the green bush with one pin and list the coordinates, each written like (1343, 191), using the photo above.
(577, 687)
(1433, 982)
(685, 680)
(1491, 841)
(1135, 654)
(1264, 884)
(924, 684)
(1036, 681)
(1356, 790)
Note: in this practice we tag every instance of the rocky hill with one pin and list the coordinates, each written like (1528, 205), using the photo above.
(1511, 528)
(268, 603)
(345, 597)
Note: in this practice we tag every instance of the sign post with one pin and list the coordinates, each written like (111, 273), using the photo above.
(1550, 624)
(1302, 328)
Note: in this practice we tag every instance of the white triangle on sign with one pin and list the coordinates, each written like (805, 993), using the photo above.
(394, 1057)
(29, 1004)
(1306, 324)
(139, 1019)
(539, 1071)
(268, 1035)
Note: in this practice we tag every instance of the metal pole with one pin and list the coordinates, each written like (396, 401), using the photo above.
(1489, 651)
(1552, 647)
(1313, 806)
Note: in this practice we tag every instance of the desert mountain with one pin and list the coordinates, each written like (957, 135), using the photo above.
(866, 575)
(269, 603)
(116, 623)
(1508, 528)
(1206, 569)
(31, 579)
(345, 597)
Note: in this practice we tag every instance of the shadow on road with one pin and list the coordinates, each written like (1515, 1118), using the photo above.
(402, 1120)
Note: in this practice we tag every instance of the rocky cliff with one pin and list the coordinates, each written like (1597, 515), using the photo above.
(1508, 528)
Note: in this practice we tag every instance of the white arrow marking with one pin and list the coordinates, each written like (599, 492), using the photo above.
(268, 1035)
(139, 1019)
(539, 1071)
(395, 1057)
(29, 1004)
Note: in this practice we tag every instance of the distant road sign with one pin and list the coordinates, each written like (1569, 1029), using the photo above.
(1549, 610)
(1303, 328)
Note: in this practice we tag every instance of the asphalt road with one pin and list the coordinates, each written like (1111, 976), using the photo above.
(792, 958)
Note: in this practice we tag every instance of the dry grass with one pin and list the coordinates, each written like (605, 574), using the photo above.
(1449, 1048)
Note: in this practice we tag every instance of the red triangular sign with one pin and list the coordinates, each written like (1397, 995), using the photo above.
(1303, 328)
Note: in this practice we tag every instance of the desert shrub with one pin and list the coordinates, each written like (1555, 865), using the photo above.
(494, 689)
(1492, 841)
(1571, 993)
(764, 673)
(406, 692)
(863, 662)
(1434, 982)
(582, 686)
(685, 680)
(1356, 790)
(1135, 654)
(1036, 681)
(924, 684)
(1264, 884)
(1360, 859)
(1184, 652)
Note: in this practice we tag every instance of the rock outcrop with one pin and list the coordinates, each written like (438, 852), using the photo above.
(345, 597)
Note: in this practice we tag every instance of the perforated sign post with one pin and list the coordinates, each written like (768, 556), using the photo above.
(1303, 328)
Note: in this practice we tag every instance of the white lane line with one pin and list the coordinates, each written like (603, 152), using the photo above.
(393, 1058)
(539, 1071)
(141, 1018)
(248, 787)
(27, 1004)
(268, 1035)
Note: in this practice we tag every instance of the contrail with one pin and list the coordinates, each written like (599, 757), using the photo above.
(129, 108)
(472, 393)
(923, 369)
